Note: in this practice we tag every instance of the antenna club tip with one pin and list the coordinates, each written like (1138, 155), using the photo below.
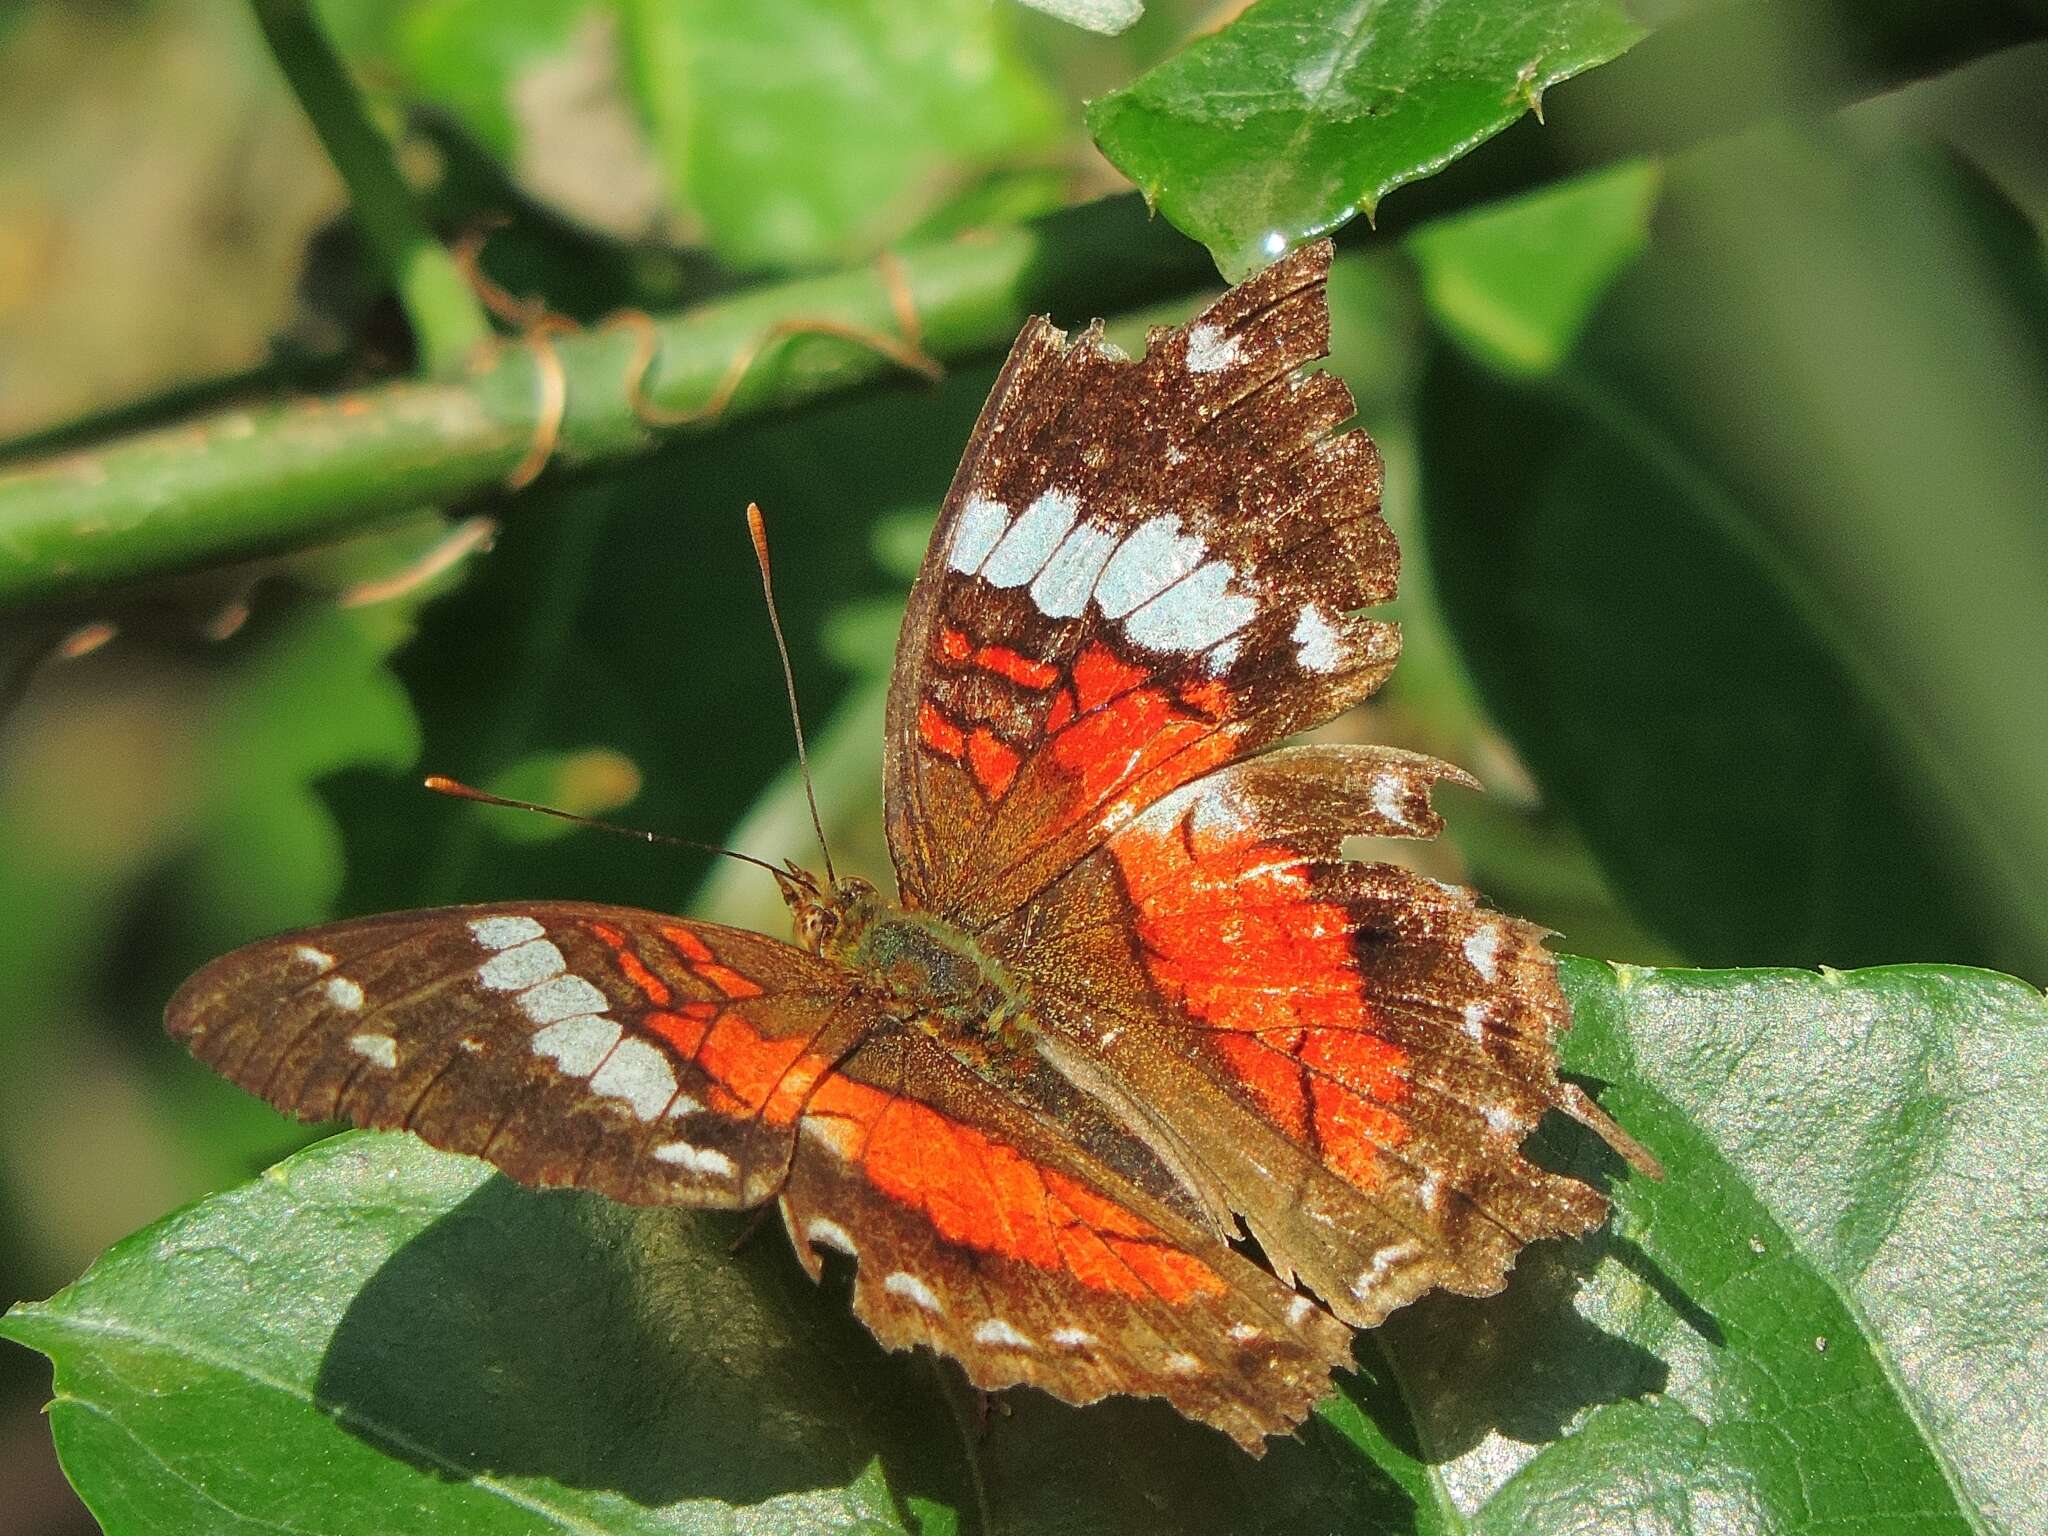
(757, 530)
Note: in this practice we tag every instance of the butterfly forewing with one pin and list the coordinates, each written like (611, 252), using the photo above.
(646, 1057)
(1143, 570)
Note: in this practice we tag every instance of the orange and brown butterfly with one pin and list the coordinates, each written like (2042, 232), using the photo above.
(1130, 1005)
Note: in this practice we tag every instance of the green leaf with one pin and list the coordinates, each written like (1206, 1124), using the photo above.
(1756, 578)
(778, 132)
(1517, 281)
(375, 1326)
(1823, 1320)
(811, 132)
(1301, 114)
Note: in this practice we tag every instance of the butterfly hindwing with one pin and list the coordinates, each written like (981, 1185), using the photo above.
(638, 1055)
(1356, 1051)
(1032, 1261)
(1143, 570)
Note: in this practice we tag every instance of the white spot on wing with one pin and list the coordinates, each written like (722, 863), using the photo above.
(981, 523)
(344, 993)
(1072, 1338)
(1502, 1118)
(638, 1073)
(1382, 1265)
(319, 959)
(1224, 656)
(381, 1049)
(1298, 1310)
(1432, 1190)
(1209, 349)
(828, 1233)
(524, 965)
(1031, 540)
(1389, 798)
(1483, 950)
(835, 1135)
(1151, 559)
(1318, 646)
(1244, 1333)
(1193, 614)
(697, 1159)
(562, 998)
(1063, 587)
(683, 1105)
(903, 1283)
(504, 932)
(1183, 1365)
(999, 1333)
(1219, 812)
(577, 1045)
(1475, 1020)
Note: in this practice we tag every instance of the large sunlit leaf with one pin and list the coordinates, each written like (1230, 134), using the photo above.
(1301, 114)
(1826, 1318)
(778, 132)
(814, 131)
(1756, 578)
(1823, 1320)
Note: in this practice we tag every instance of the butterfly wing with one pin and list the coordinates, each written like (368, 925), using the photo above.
(1070, 1261)
(634, 1054)
(1143, 570)
(1354, 1053)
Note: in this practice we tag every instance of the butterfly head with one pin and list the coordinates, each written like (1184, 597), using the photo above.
(829, 919)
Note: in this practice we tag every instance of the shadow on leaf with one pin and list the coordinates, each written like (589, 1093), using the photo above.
(606, 1347)
(603, 1347)
(1527, 1363)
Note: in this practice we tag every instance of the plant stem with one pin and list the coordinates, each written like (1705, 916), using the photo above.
(247, 482)
(448, 321)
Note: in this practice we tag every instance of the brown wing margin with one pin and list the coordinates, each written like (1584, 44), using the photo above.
(649, 1058)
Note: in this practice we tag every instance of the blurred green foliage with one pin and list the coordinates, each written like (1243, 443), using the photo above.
(1718, 478)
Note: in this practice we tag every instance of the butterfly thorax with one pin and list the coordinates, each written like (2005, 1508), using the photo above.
(931, 973)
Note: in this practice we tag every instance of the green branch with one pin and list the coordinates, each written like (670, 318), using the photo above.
(448, 323)
(242, 483)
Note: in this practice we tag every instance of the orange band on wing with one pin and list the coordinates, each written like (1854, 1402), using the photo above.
(1127, 744)
(1234, 936)
(1016, 667)
(977, 1192)
(693, 949)
(939, 733)
(632, 967)
(992, 761)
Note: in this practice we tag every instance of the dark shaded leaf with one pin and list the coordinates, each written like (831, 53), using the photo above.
(1756, 580)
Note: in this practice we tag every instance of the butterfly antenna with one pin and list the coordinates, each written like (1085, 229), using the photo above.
(759, 531)
(441, 784)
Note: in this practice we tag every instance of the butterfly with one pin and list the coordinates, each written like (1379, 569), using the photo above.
(1138, 1085)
